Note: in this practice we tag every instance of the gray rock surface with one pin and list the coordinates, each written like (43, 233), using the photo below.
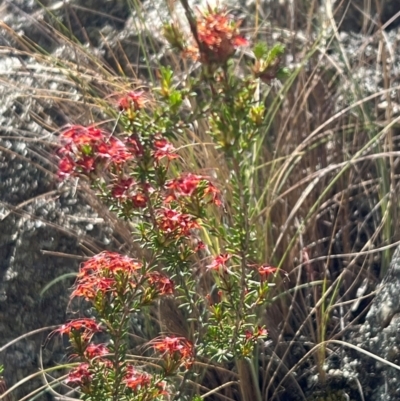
(380, 335)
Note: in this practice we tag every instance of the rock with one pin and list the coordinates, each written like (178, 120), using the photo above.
(380, 335)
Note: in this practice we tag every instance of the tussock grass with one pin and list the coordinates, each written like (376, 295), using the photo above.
(326, 167)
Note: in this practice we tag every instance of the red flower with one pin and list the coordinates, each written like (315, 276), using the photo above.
(163, 284)
(87, 163)
(187, 184)
(200, 246)
(179, 224)
(78, 324)
(139, 200)
(80, 375)
(214, 192)
(218, 36)
(180, 349)
(82, 135)
(120, 188)
(96, 350)
(65, 167)
(98, 274)
(110, 262)
(266, 270)
(219, 262)
(132, 100)
(115, 150)
(254, 335)
(85, 147)
(164, 149)
(136, 380)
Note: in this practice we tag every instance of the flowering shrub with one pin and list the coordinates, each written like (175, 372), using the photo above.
(190, 225)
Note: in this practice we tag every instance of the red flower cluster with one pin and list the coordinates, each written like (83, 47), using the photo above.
(188, 184)
(95, 351)
(163, 148)
(99, 274)
(178, 349)
(85, 147)
(80, 376)
(131, 100)
(125, 189)
(88, 325)
(162, 284)
(175, 223)
(136, 380)
(218, 36)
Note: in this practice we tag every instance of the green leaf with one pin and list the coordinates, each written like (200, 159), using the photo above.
(276, 51)
(260, 50)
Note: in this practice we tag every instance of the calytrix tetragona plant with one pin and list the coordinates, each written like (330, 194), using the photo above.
(191, 224)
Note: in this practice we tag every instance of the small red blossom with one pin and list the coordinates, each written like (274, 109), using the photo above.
(218, 36)
(164, 149)
(80, 135)
(96, 350)
(139, 200)
(136, 380)
(266, 269)
(180, 349)
(110, 262)
(87, 164)
(121, 188)
(65, 167)
(79, 324)
(132, 100)
(219, 262)
(162, 284)
(254, 335)
(200, 246)
(173, 222)
(80, 376)
(114, 150)
(214, 192)
(188, 184)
